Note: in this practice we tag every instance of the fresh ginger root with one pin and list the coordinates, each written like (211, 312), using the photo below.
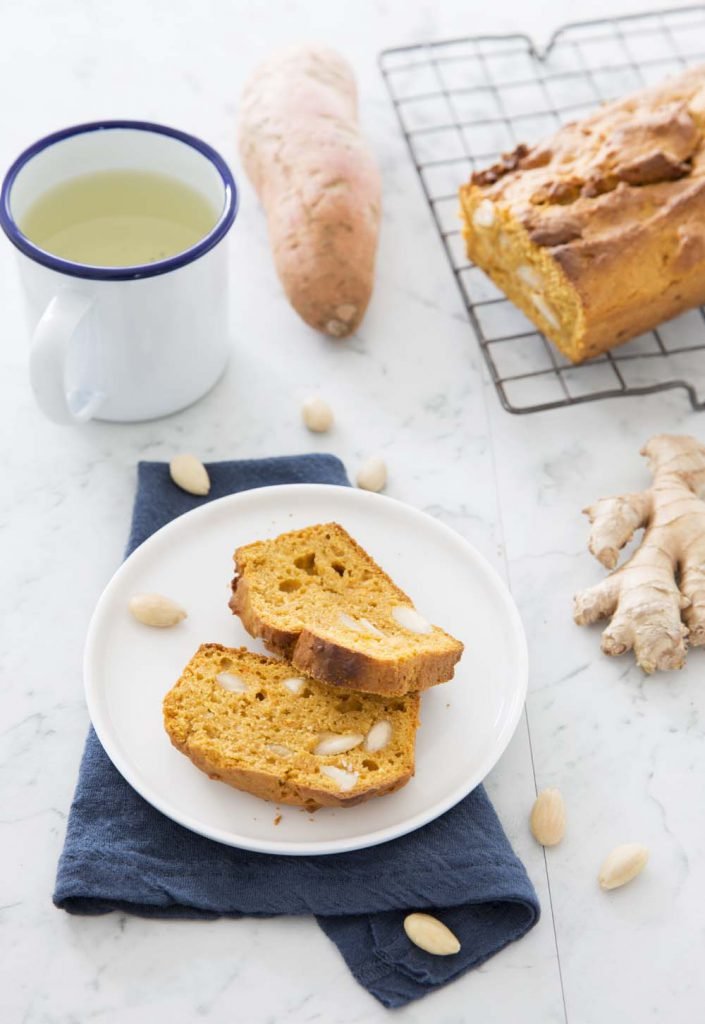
(664, 580)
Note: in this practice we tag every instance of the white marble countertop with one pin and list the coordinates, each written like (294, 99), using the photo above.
(627, 752)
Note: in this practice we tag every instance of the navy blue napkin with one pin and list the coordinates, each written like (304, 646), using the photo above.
(122, 854)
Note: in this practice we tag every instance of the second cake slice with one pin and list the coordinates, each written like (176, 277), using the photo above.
(318, 599)
(247, 720)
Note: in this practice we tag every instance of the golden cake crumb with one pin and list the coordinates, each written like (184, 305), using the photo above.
(239, 717)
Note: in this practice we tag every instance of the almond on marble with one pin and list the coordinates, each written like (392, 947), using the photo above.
(548, 817)
(372, 475)
(622, 865)
(317, 415)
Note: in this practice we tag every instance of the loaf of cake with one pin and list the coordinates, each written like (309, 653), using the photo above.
(262, 726)
(598, 233)
(318, 599)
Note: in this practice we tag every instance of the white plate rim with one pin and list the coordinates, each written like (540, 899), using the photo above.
(514, 626)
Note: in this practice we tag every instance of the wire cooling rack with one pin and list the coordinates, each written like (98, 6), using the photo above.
(462, 102)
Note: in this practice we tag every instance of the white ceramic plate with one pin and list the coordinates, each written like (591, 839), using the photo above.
(465, 724)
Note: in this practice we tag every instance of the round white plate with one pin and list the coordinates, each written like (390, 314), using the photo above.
(465, 724)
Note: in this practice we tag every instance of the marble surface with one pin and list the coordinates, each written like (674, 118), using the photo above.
(627, 752)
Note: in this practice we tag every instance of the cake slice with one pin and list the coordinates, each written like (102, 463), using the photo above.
(263, 727)
(318, 599)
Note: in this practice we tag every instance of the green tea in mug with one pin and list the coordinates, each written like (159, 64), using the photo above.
(118, 218)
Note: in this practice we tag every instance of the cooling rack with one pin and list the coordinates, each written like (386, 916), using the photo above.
(462, 102)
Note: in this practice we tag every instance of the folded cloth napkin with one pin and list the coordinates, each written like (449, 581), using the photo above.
(122, 854)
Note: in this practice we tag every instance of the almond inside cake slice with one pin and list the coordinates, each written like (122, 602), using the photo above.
(318, 599)
(264, 727)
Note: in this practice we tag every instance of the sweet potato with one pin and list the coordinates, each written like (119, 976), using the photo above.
(301, 147)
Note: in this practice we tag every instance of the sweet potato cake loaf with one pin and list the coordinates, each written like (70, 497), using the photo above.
(598, 233)
(318, 599)
(260, 725)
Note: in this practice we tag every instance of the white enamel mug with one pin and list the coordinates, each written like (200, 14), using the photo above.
(123, 343)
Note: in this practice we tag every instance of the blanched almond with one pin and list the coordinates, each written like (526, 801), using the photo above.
(344, 780)
(408, 618)
(359, 625)
(279, 749)
(331, 743)
(370, 627)
(190, 474)
(372, 475)
(622, 865)
(431, 935)
(156, 610)
(231, 682)
(294, 684)
(548, 817)
(530, 276)
(544, 309)
(378, 737)
(483, 217)
(317, 415)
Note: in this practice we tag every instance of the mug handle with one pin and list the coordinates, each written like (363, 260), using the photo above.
(47, 361)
